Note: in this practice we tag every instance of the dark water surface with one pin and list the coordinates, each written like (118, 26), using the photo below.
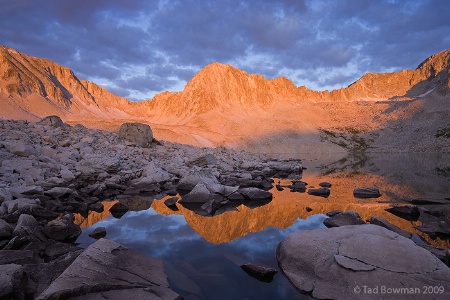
(202, 255)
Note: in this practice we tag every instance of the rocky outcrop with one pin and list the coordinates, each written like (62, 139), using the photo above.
(71, 169)
(109, 270)
(360, 262)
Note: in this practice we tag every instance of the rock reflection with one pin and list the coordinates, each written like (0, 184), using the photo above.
(400, 178)
(286, 207)
(92, 217)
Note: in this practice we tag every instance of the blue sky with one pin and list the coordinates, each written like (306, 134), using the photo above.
(139, 48)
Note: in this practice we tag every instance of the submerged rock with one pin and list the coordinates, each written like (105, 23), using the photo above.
(344, 262)
(98, 233)
(259, 272)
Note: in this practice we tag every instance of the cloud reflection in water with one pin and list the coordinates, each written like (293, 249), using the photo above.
(197, 268)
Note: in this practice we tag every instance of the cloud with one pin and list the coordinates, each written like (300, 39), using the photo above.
(171, 40)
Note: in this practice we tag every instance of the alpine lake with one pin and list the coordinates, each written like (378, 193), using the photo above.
(202, 254)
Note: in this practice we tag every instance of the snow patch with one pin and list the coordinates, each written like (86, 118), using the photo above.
(424, 94)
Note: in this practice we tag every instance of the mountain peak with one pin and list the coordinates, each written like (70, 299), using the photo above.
(436, 62)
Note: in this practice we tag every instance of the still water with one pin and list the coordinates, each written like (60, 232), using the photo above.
(202, 254)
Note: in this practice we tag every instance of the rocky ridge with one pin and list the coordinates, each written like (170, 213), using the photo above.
(211, 109)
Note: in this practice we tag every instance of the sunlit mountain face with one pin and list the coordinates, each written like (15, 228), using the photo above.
(351, 137)
(388, 112)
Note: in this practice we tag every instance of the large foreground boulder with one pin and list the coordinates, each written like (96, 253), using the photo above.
(107, 270)
(361, 262)
(136, 133)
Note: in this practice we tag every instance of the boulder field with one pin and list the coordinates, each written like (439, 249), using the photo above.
(50, 170)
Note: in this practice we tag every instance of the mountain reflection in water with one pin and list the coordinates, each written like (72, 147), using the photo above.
(202, 254)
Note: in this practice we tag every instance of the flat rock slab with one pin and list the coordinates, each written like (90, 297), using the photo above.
(107, 270)
(361, 262)
(349, 217)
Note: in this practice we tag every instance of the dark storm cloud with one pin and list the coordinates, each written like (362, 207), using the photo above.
(145, 47)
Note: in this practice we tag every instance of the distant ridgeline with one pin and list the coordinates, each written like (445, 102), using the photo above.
(222, 105)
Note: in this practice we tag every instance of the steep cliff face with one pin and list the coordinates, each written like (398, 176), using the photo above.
(35, 87)
(432, 75)
(23, 75)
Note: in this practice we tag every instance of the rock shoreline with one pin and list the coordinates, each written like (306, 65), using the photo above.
(361, 262)
(50, 170)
